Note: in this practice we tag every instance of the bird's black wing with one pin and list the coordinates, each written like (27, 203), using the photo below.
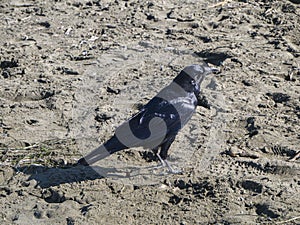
(149, 128)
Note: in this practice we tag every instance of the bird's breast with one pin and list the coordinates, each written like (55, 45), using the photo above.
(187, 102)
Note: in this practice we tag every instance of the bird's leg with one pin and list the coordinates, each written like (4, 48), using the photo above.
(155, 150)
(163, 163)
(164, 153)
(165, 147)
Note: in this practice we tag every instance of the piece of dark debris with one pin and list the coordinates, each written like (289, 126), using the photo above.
(69, 71)
(251, 127)
(279, 97)
(102, 117)
(9, 64)
(291, 75)
(202, 101)
(44, 24)
(6, 74)
(82, 57)
(110, 90)
(247, 83)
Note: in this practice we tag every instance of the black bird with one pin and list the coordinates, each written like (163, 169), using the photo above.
(159, 121)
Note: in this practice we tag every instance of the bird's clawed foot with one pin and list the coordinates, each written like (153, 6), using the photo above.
(165, 163)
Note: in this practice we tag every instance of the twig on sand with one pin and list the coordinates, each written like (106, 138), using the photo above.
(220, 3)
(295, 157)
(289, 220)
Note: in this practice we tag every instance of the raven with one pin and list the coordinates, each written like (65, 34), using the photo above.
(158, 122)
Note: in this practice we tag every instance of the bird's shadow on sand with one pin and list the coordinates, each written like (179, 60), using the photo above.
(53, 176)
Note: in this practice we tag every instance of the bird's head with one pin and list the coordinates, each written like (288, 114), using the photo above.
(192, 76)
(198, 71)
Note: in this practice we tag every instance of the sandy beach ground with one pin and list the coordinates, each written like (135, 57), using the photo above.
(72, 71)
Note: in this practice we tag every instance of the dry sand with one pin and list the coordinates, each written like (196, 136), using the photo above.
(71, 71)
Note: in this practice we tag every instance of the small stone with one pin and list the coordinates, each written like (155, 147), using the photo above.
(234, 151)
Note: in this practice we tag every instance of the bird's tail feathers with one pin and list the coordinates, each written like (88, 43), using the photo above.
(109, 147)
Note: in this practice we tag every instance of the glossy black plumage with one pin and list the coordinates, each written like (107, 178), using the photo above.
(159, 121)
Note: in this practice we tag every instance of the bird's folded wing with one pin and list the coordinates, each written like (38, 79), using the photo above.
(150, 126)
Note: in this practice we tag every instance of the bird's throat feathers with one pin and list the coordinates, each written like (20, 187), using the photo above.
(186, 82)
